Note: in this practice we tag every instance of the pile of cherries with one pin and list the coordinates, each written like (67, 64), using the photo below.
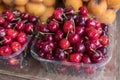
(73, 37)
(15, 27)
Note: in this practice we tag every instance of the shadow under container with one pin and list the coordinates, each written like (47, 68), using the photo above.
(16, 60)
(78, 69)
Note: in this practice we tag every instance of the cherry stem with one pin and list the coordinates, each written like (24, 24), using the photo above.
(65, 16)
(67, 48)
(67, 34)
(94, 51)
(37, 36)
(25, 21)
(56, 21)
(2, 41)
(33, 52)
(45, 33)
(74, 25)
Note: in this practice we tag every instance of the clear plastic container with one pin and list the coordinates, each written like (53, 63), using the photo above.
(78, 69)
(17, 59)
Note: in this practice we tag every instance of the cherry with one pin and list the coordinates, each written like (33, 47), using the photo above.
(92, 33)
(7, 40)
(80, 21)
(43, 27)
(105, 27)
(104, 40)
(68, 26)
(24, 15)
(12, 33)
(53, 26)
(97, 43)
(2, 20)
(48, 46)
(20, 25)
(7, 25)
(97, 56)
(39, 44)
(90, 70)
(5, 51)
(2, 32)
(79, 47)
(83, 11)
(104, 50)
(10, 17)
(5, 12)
(90, 46)
(71, 16)
(41, 54)
(73, 38)
(90, 23)
(49, 37)
(86, 59)
(60, 55)
(79, 30)
(33, 19)
(58, 14)
(14, 61)
(59, 35)
(69, 10)
(16, 46)
(29, 27)
(64, 43)
(22, 38)
(49, 56)
(76, 57)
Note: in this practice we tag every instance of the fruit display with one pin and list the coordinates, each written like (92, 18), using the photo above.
(70, 40)
(16, 28)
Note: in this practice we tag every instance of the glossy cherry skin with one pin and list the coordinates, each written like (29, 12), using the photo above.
(79, 47)
(12, 33)
(76, 57)
(73, 38)
(69, 10)
(104, 50)
(53, 26)
(68, 26)
(80, 21)
(16, 46)
(39, 44)
(49, 37)
(104, 40)
(10, 17)
(42, 28)
(83, 11)
(22, 38)
(58, 14)
(29, 28)
(20, 25)
(64, 43)
(86, 59)
(7, 25)
(90, 23)
(7, 40)
(2, 20)
(59, 35)
(25, 15)
(2, 32)
(33, 19)
(79, 30)
(48, 46)
(41, 54)
(5, 51)
(90, 46)
(60, 55)
(105, 27)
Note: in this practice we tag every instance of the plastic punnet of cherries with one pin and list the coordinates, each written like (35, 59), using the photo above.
(72, 36)
(14, 30)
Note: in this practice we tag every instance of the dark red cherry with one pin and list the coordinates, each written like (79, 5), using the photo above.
(104, 40)
(7, 40)
(29, 28)
(83, 11)
(2, 20)
(105, 27)
(7, 25)
(59, 35)
(53, 26)
(64, 43)
(10, 17)
(90, 23)
(90, 46)
(20, 25)
(80, 21)
(86, 59)
(79, 30)
(25, 15)
(75, 57)
(104, 50)
(49, 37)
(41, 54)
(69, 10)
(60, 55)
(2, 32)
(39, 44)
(42, 28)
(73, 38)
(33, 19)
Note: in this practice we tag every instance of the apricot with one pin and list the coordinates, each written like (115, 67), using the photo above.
(37, 0)
(49, 2)
(2, 7)
(8, 2)
(49, 11)
(97, 7)
(115, 4)
(20, 8)
(107, 17)
(20, 2)
(36, 9)
(76, 4)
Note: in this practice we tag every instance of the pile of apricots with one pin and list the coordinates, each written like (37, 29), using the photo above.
(102, 10)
